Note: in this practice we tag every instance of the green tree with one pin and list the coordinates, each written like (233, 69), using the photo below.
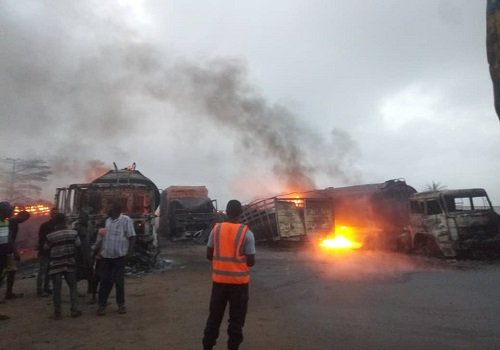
(434, 186)
(20, 179)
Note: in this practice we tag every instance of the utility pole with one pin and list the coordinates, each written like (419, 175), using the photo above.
(11, 188)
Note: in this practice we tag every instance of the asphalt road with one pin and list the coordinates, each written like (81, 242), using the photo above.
(299, 299)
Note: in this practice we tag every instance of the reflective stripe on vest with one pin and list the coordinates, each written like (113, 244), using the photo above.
(228, 265)
(4, 232)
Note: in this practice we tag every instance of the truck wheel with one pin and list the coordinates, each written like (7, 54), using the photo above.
(429, 248)
(425, 250)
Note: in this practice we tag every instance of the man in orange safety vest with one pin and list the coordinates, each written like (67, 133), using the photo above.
(231, 248)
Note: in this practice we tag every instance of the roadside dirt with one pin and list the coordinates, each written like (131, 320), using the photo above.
(300, 299)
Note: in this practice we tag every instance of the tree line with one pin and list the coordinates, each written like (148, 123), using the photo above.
(21, 179)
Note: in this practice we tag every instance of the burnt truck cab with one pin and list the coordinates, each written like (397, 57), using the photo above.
(86, 207)
(451, 223)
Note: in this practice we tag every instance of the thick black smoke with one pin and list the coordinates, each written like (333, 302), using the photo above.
(74, 81)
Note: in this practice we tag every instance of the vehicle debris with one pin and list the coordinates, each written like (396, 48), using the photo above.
(86, 206)
(185, 212)
(451, 223)
(290, 217)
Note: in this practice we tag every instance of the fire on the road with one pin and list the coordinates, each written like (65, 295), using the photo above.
(342, 239)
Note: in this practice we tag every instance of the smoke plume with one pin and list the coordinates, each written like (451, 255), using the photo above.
(78, 82)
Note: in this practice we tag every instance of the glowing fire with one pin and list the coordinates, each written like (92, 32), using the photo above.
(33, 209)
(298, 202)
(342, 239)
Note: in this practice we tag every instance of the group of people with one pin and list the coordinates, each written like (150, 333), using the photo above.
(58, 246)
(230, 248)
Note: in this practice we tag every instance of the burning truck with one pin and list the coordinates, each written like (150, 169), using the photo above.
(86, 206)
(384, 216)
(289, 217)
(373, 216)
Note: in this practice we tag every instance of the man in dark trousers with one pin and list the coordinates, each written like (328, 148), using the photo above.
(42, 279)
(231, 248)
(114, 246)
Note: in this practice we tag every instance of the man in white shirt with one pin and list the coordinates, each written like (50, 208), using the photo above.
(114, 246)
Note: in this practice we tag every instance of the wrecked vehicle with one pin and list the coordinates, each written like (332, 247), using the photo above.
(186, 212)
(451, 223)
(87, 205)
(375, 215)
(291, 217)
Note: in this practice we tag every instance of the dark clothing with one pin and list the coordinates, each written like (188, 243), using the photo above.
(96, 277)
(13, 230)
(42, 279)
(45, 228)
(237, 296)
(70, 278)
(5, 247)
(112, 273)
(84, 269)
(3, 266)
(14, 223)
(61, 245)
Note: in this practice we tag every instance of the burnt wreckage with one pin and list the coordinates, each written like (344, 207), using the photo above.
(187, 212)
(453, 223)
(378, 214)
(290, 217)
(389, 216)
(86, 206)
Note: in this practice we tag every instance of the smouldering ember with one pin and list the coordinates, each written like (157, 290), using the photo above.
(343, 239)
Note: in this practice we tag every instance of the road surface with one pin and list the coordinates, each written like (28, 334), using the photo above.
(299, 299)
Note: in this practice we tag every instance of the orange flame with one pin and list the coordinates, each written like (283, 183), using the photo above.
(33, 209)
(344, 238)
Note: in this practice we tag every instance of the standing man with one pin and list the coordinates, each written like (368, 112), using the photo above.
(231, 248)
(61, 245)
(42, 279)
(6, 211)
(115, 245)
(13, 256)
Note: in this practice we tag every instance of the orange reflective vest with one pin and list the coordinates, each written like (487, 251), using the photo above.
(228, 265)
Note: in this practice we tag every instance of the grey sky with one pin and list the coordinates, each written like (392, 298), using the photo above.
(252, 98)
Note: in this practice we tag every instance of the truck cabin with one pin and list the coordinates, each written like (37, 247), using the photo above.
(450, 201)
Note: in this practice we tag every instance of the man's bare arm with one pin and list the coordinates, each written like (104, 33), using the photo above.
(210, 253)
(250, 259)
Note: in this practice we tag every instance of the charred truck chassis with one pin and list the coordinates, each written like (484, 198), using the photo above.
(452, 223)
(186, 212)
(389, 216)
(86, 207)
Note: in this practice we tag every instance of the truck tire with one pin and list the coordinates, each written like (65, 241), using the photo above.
(428, 247)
